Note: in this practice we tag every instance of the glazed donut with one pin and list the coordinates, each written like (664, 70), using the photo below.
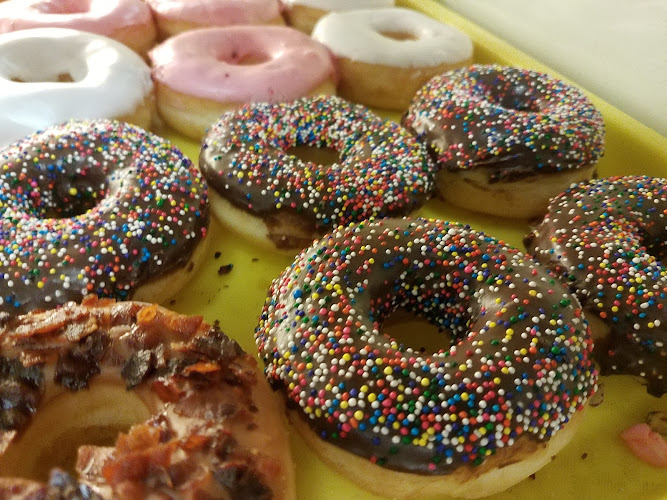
(175, 16)
(507, 139)
(200, 74)
(128, 21)
(185, 407)
(304, 14)
(385, 55)
(607, 239)
(97, 207)
(51, 75)
(263, 189)
(502, 396)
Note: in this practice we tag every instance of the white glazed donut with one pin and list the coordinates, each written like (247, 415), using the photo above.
(51, 75)
(386, 55)
(303, 14)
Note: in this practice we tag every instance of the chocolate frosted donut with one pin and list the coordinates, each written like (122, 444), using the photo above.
(503, 388)
(607, 239)
(202, 422)
(268, 193)
(506, 139)
(97, 207)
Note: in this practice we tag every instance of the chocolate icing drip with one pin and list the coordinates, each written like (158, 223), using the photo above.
(606, 240)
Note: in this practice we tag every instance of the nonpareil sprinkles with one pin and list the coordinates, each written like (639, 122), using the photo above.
(93, 207)
(515, 361)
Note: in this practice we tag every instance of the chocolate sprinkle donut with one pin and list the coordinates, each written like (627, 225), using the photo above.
(97, 207)
(607, 239)
(517, 366)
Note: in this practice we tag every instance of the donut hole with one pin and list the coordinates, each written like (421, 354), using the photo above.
(241, 58)
(415, 332)
(74, 194)
(312, 154)
(58, 78)
(63, 7)
(69, 420)
(516, 94)
(400, 36)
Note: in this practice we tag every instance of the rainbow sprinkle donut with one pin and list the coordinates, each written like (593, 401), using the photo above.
(516, 371)
(270, 195)
(608, 240)
(507, 139)
(96, 207)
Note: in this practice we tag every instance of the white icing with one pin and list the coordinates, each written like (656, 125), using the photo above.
(357, 35)
(336, 5)
(109, 79)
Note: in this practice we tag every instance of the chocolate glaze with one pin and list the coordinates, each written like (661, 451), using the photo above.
(94, 207)
(203, 379)
(382, 170)
(518, 364)
(521, 123)
(606, 239)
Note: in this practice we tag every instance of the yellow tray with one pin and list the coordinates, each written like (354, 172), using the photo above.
(595, 465)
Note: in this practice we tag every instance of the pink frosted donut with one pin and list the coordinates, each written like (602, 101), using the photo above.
(202, 73)
(175, 16)
(128, 21)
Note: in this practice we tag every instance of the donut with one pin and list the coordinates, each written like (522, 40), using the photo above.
(607, 239)
(50, 75)
(200, 74)
(507, 139)
(283, 174)
(184, 408)
(127, 21)
(304, 14)
(385, 55)
(504, 393)
(97, 207)
(175, 16)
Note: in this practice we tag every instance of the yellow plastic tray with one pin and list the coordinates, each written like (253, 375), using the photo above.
(595, 465)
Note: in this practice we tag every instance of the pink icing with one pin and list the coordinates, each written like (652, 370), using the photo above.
(205, 63)
(103, 17)
(217, 12)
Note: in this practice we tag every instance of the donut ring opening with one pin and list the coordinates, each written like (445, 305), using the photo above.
(68, 421)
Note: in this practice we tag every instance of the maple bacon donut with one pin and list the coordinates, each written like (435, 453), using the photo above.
(506, 139)
(501, 397)
(128, 21)
(607, 239)
(385, 55)
(196, 418)
(97, 207)
(175, 16)
(283, 174)
(200, 74)
(51, 75)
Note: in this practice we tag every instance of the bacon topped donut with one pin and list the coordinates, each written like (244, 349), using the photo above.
(202, 422)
